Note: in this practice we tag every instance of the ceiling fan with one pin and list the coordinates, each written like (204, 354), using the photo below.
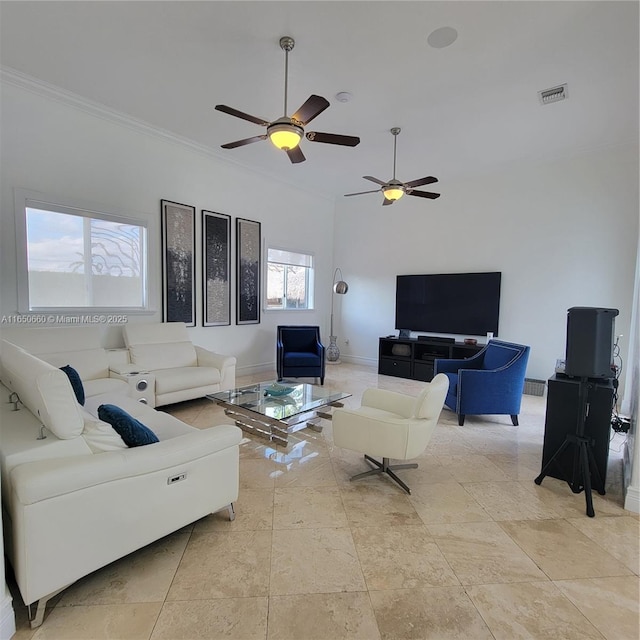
(394, 189)
(286, 132)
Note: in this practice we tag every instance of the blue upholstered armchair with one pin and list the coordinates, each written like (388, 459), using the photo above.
(491, 382)
(299, 352)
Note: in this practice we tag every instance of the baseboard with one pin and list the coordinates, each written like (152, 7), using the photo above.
(632, 500)
(367, 362)
(631, 494)
(7, 619)
(249, 370)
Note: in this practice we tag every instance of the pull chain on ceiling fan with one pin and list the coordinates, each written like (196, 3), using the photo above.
(394, 189)
(286, 132)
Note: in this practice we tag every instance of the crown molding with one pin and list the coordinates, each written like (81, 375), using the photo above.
(52, 92)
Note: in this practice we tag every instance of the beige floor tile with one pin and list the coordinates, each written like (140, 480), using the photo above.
(518, 466)
(510, 500)
(257, 473)
(223, 565)
(401, 558)
(100, 622)
(481, 553)
(314, 561)
(308, 508)
(610, 604)
(254, 511)
(561, 551)
(429, 471)
(446, 503)
(618, 536)
(343, 616)
(528, 611)
(308, 471)
(471, 468)
(382, 503)
(557, 495)
(225, 619)
(429, 613)
(143, 576)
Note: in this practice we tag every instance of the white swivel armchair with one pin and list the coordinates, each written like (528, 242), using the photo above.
(391, 425)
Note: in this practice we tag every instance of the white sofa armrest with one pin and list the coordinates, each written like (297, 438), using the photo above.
(392, 401)
(44, 479)
(225, 364)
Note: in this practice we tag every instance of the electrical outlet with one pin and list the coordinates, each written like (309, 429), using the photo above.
(346, 340)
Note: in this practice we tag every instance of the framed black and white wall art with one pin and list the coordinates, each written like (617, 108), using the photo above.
(247, 271)
(216, 268)
(178, 262)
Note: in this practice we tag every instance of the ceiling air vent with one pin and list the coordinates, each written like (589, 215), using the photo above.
(553, 95)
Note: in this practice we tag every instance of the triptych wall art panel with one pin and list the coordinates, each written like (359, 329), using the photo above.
(216, 269)
(247, 271)
(178, 267)
(178, 262)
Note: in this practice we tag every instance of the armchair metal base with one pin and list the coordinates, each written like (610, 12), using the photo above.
(385, 467)
(461, 416)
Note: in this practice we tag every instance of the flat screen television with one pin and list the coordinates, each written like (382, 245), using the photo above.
(455, 303)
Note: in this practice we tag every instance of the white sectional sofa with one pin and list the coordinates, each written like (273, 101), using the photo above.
(181, 370)
(74, 496)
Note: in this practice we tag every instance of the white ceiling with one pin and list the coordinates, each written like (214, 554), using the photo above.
(463, 110)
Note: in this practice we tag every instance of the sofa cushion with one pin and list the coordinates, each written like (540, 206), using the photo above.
(179, 378)
(104, 385)
(301, 359)
(76, 383)
(43, 389)
(100, 436)
(89, 363)
(132, 431)
(150, 357)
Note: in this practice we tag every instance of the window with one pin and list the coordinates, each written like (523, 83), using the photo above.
(80, 259)
(289, 280)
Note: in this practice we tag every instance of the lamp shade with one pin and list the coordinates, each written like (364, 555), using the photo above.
(393, 193)
(284, 135)
(341, 287)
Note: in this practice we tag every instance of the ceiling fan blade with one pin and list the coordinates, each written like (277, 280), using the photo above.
(424, 194)
(361, 193)
(313, 107)
(386, 202)
(421, 181)
(241, 143)
(239, 114)
(380, 182)
(333, 138)
(296, 155)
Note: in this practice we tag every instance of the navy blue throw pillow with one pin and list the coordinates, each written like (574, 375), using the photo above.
(76, 383)
(132, 431)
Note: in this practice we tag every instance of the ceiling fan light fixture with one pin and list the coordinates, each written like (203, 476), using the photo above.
(284, 135)
(393, 192)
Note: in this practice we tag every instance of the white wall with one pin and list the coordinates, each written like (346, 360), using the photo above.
(563, 234)
(62, 148)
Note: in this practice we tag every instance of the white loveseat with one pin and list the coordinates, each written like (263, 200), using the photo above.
(182, 371)
(75, 497)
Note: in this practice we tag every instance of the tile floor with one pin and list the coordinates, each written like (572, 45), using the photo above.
(477, 551)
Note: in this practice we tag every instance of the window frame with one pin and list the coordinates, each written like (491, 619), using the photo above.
(310, 289)
(24, 199)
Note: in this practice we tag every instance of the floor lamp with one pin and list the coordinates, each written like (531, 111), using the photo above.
(340, 287)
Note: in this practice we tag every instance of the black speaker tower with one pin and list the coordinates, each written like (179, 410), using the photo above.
(590, 337)
(590, 334)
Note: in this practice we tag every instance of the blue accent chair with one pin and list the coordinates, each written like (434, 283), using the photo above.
(299, 352)
(491, 382)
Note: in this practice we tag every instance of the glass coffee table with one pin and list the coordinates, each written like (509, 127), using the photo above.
(276, 416)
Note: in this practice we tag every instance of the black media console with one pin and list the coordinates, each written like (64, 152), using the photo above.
(413, 357)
